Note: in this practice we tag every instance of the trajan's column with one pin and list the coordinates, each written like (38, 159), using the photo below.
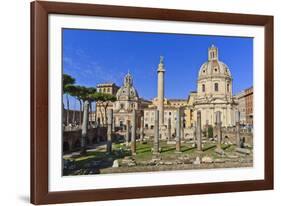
(160, 95)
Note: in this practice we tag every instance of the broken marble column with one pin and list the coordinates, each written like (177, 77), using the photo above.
(237, 120)
(178, 131)
(198, 132)
(169, 129)
(142, 129)
(133, 138)
(156, 133)
(109, 131)
(127, 132)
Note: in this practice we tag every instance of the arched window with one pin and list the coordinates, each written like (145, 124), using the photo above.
(216, 87)
(203, 87)
(227, 87)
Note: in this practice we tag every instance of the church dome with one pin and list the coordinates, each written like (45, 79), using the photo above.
(213, 67)
(127, 91)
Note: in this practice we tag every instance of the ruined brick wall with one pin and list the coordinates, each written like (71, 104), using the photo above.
(71, 139)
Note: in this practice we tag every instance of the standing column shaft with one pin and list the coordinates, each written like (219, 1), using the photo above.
(237, 118)
(182, 128)
(85, 127)
(219, 135)
(169, 129)
(161, 97)
(113, 124)
(142, 129)
(156, 133)
(218, 128)
(133, 139)
(198, 131)
(160, 91)
(194, 132)
(109, 130)
(127, 132)
(178, 135)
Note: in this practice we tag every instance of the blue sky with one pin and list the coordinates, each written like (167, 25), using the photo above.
(93, 56)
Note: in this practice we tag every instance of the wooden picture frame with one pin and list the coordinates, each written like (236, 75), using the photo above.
(39, 102)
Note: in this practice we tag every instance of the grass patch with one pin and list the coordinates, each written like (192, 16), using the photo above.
(143, 153)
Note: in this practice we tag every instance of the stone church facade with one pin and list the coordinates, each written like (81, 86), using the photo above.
(214, 91)
(127, 100)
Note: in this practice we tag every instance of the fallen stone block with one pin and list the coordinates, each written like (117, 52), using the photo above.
(243, 151)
